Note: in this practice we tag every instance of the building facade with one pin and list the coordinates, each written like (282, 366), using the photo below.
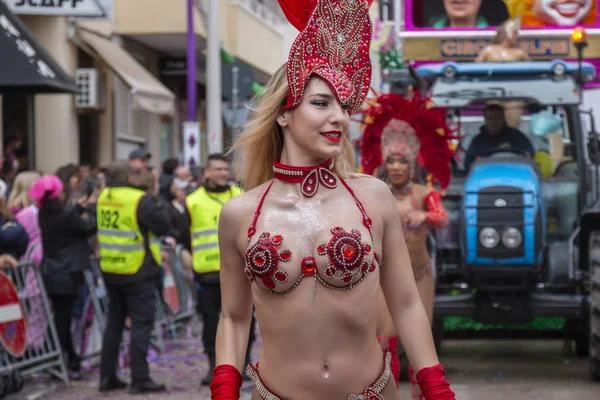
(129, 67)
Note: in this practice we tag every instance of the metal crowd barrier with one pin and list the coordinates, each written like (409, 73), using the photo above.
(174, 307)
(41, 347)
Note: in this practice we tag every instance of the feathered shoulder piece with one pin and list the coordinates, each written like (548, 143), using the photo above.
(413, 127)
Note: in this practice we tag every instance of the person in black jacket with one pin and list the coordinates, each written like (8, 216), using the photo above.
(131, 294)
(13, 237)
(66, 254)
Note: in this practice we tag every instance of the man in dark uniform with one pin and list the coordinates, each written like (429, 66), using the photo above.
(129, 223)
(204, 207)
(496, 135)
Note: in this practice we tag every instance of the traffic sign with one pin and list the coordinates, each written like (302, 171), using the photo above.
(170, 290)
(13, 326)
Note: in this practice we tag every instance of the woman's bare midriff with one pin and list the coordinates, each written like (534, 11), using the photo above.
(416, 243)
(324, 350)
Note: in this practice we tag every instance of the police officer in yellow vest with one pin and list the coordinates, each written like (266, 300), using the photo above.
(129, 223)
(204, 207)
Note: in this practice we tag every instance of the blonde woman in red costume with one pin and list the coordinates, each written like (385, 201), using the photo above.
(309, 242)
(399, 132)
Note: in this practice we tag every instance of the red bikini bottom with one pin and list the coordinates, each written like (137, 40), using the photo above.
(372, 392)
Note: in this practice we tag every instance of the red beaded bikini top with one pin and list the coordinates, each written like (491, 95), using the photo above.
(345, 253)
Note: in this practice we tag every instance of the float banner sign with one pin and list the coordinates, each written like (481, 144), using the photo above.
(470, 48)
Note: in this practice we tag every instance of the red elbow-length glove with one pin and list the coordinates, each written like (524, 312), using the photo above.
(226, 383)
(433, 384)
(436, 214)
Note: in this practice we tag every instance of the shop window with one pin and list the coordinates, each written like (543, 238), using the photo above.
(17, 110)
(386, 10)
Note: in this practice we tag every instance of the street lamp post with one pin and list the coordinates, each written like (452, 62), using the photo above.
(191, 128)
(579, 39)
(213, 81)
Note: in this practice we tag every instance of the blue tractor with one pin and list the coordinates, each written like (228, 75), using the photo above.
(524, 238)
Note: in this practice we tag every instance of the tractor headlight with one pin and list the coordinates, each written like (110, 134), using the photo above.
(489, 237)
(512, 238)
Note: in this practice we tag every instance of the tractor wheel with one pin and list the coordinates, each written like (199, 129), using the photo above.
(2, 388)
(578, 331)
(403, 363)
(595, 306)
(438, 334)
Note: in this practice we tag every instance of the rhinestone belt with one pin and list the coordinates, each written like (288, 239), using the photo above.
(372, 392)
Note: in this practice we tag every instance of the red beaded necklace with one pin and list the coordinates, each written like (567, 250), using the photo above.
(308, 177)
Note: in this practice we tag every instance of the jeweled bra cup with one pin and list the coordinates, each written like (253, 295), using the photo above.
(345, 255)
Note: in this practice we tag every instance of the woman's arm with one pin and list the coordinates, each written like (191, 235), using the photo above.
(483, 56)
(402, 298)
(400, 289)
(436, 215)
(236, 314)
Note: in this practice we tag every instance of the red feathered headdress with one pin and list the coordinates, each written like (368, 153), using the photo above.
(413, 127)
(334, 44)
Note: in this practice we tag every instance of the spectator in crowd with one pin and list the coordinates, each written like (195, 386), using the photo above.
(69, 175)
(101, 175)
(169, 166)
(197, 177)
(131, 269)
(66, 253)
(19, 196)
(183, 173)
(84, 171)
(26, 213)
(179, 225)
(13, 237)
(10, 163)
(139, 159)
(166, 179)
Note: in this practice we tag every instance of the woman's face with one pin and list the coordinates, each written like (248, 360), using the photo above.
(462, 9)
(74, 183)
(314, 131)
(562, 12)
(397, 169)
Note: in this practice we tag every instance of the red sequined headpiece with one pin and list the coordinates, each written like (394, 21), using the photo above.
(334, 44)
(413, 127)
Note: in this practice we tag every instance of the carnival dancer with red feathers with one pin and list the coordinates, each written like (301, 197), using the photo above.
(399, 132)
(310, 242)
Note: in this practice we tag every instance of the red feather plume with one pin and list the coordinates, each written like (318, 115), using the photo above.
(430, 125)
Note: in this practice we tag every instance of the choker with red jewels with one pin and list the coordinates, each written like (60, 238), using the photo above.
(308, 177)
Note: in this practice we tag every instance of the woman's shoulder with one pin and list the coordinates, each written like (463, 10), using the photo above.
(245, 203)
(422, 191)
(363, 184)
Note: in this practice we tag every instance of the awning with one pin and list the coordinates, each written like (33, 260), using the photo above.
(26, 67)
(148, 93)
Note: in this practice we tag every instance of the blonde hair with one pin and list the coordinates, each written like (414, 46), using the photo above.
(505, 31)
(262, 139)
(19, 195)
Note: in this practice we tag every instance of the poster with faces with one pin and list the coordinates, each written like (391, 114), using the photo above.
(481, 14)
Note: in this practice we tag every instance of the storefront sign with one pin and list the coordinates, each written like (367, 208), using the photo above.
(176, 67)
(470, 48)
(68, 8)
(25, 47)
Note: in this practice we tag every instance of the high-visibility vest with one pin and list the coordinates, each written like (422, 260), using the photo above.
(204, 209)
(121, 242)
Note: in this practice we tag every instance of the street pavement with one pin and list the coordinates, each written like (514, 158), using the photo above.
(488, 370)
